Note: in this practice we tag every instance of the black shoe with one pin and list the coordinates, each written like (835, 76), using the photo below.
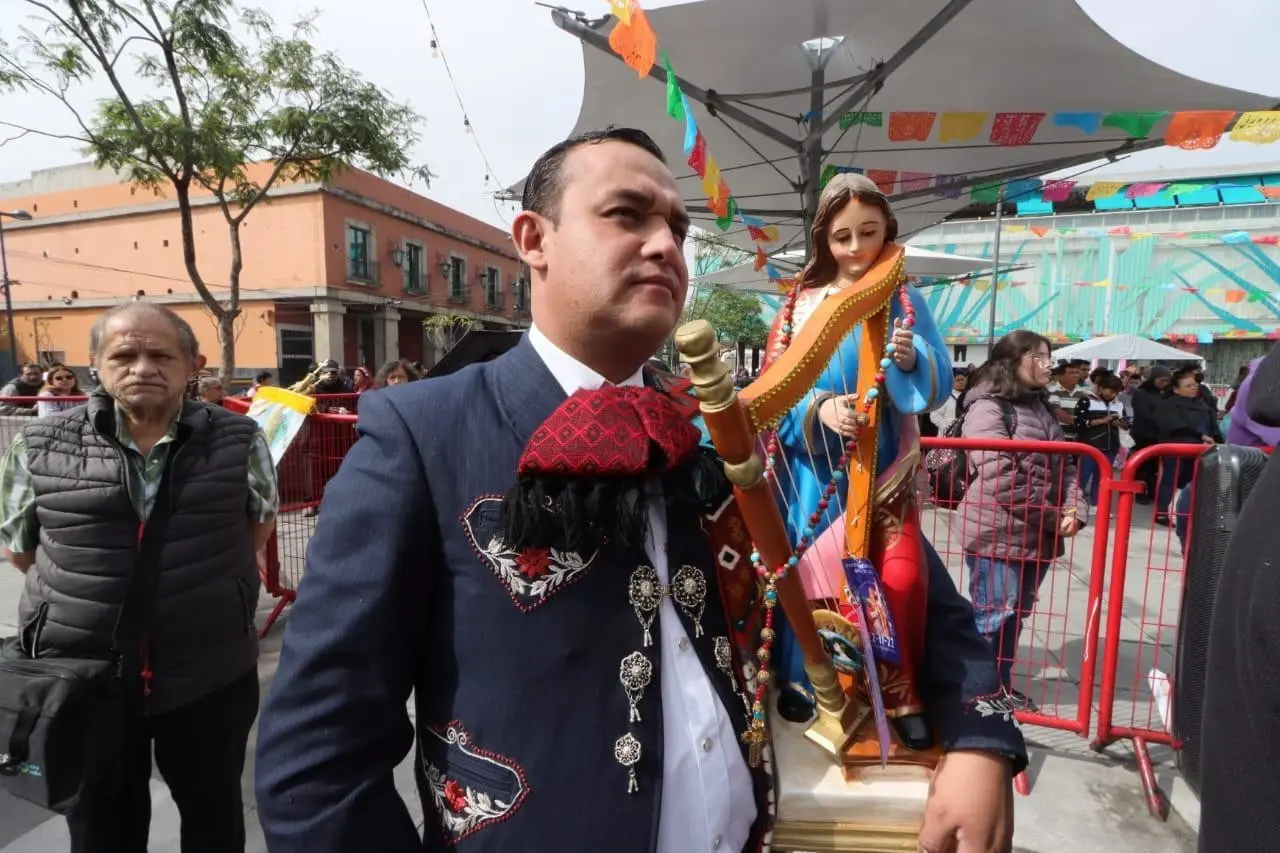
(794, 708)
(1022, 702)
(1162, 518)
(913, 730)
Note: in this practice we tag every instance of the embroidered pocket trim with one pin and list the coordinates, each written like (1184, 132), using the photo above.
(530, 577)
(482, 790)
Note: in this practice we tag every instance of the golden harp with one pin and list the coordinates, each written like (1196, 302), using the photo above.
(737, 421)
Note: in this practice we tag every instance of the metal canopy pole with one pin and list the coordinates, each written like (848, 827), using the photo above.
(995, 275)
(876, 78)
(811, 162)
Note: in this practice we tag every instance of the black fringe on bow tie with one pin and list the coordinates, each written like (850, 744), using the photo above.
(582, 514)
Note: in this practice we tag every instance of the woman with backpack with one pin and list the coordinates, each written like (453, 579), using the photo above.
(1018, 507)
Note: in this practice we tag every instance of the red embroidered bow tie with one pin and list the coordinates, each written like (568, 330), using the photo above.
(612, 431)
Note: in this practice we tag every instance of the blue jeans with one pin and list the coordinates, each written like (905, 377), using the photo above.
(1090, 477)
(1003, 595)
(1174, 474)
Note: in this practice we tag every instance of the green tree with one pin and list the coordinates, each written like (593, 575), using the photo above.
(713, 252)
(733, 314)
(447, 329)
(195, 99)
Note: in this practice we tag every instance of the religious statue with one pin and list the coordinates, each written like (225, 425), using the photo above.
(818, 439)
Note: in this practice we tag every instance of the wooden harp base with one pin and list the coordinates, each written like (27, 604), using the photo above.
(836, 731)
(861, 757)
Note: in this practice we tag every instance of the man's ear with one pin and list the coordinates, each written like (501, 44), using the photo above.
(528, 232)
(198, 365)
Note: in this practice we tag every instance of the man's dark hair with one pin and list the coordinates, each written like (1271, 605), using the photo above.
(545, 184)
(1182, 373)
(186, 337)
(264, 376)
(30, 364)
(1111, 381)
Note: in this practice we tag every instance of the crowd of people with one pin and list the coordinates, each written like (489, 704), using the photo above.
(547, 581)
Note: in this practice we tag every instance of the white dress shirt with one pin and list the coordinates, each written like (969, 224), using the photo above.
(707, 798)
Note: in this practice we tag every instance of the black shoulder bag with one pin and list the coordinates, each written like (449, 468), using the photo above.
(61, 719)
(948, 469)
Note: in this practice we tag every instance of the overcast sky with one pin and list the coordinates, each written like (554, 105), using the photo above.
(520, 78)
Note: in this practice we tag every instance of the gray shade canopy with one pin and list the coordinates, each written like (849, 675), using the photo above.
(772, 131)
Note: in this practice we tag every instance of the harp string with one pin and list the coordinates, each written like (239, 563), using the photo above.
(825, 578)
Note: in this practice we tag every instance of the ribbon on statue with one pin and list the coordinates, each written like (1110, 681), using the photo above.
(855, 569)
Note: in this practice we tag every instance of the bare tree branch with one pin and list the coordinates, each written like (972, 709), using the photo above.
(19, 135)
(88, 38)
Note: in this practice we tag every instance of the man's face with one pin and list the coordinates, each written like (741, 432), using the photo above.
(960, 381)
(31, 375)
(615, 260)
(214, 393)
(142, 363)
(329, 377)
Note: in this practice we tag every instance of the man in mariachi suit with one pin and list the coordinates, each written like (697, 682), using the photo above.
(573, 640)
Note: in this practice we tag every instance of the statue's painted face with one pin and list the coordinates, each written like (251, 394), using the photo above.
(856, 237)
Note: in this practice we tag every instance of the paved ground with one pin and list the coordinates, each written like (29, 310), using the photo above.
(1079, 800)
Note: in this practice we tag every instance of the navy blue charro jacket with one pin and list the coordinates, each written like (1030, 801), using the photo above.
(514, 673)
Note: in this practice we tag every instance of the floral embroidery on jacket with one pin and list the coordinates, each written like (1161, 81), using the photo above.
(471, 788)
(995, 704)
(531, 577)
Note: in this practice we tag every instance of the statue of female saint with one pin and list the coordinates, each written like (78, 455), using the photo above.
(811, 452)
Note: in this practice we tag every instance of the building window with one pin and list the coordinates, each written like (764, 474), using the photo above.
(360, 263)
(959, 353)
(493, 288)
(457, 278)
(521, 290)
(415, 278)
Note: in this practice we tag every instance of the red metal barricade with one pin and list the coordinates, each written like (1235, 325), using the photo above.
(1144, 609)
(16, 411)
(1053, 665)
(310, 462)
(336, 404)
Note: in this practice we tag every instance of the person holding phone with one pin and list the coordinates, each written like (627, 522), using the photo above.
(1099, 419)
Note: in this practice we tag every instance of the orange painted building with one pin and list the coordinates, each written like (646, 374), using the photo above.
(347, 270)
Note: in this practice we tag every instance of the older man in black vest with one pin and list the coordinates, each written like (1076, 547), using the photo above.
(75, 490)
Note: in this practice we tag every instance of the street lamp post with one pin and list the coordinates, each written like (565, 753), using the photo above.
(22, 216)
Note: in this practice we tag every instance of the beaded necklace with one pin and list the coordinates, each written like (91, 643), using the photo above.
(756, 734)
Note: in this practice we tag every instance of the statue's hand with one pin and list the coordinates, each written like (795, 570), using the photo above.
(970, 806)
(904, 348)
(839, 414)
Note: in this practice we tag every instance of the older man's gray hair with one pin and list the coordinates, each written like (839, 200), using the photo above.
(186, 337)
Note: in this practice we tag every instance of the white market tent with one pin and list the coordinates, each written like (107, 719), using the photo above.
(1124, 348)
(920, 262)
(769, 81)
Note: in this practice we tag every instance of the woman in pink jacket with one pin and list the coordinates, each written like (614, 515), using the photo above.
(1018, 507)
